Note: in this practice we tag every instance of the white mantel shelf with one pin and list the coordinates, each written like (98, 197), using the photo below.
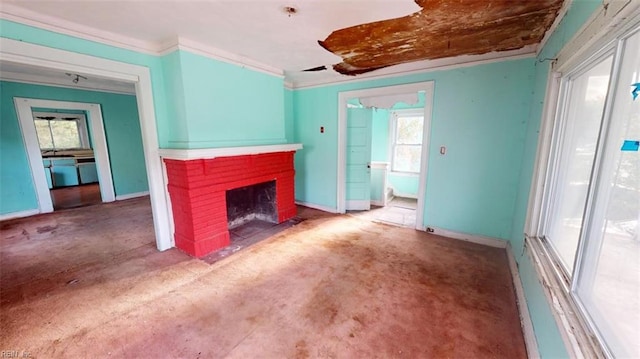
(208, 153)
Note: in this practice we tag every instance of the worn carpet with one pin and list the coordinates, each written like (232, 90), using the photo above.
(330, 287)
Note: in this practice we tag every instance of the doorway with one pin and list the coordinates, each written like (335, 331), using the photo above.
(67, 158)
(27, 54)
(53, 167)
(383, 136)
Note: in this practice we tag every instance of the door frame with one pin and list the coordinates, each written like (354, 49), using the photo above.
(24, 109)
(67, 61)
(343, 97)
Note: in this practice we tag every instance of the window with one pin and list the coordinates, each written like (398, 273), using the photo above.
(59, 131)
(407, 126)
(590, 218)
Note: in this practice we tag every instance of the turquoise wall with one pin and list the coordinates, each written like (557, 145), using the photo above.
(122, 129)
(228, 105)
(288, 116)
(380, 135)
(216, 104)
(480, 113)
(176, 109)
(550, 343)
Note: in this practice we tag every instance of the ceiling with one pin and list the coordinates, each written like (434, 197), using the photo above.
(346, 37)
(46, 76)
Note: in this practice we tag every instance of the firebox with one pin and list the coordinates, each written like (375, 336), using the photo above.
(226, 188)
(247, 203)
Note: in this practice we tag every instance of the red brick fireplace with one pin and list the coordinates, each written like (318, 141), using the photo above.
(198, 181)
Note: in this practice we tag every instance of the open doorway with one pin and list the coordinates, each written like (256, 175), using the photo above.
(40, 58)
(67, 157)
(65, 150)
(383, 152)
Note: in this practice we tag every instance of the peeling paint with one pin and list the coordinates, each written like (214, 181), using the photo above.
(443, 28)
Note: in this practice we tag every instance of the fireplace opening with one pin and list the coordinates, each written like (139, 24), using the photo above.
(254, 202)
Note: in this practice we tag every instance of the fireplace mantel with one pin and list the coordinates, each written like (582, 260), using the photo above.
(209, 153)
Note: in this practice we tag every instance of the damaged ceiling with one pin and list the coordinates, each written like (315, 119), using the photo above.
(361, 35)
(442, 28)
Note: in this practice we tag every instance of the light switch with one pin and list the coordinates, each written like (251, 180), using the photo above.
(443, 150)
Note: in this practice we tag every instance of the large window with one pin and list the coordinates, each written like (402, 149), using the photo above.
(407, 127)
(58, 132)
(590, 218)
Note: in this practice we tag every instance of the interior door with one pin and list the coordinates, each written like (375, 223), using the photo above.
(358, 158)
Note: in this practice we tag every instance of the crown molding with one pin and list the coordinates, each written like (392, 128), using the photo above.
(64, 83)
(184, 44)
(27, 17)
(421, 67)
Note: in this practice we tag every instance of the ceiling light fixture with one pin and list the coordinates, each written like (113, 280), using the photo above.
(290, 10)
(76, 78)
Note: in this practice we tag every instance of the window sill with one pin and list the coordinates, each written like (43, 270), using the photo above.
(579, 338)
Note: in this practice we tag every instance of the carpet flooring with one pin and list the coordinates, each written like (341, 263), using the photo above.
(89, 283)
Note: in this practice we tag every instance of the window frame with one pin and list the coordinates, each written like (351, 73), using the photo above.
(81, 124)
(580, 333)
(393, 136)
(557, 147)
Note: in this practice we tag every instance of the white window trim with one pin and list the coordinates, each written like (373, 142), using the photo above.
(81, 122)
(576, 330)
(393, 125)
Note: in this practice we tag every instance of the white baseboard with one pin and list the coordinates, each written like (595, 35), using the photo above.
(525, 318)
(358, 205)
(487, 241)
(378, 203)
(20, 214)
(131, 195)
(317, 206)
(404, 195)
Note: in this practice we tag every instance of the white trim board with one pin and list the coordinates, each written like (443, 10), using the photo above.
(525, 317)
(123, 197)
(98, 138)
(316, 206)
(343, 97)
(20, 214)
(419, 67)
(36, 55)
(64, 83)
(473, 238)
(208, 153)
(211, 52)
(358, 205)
